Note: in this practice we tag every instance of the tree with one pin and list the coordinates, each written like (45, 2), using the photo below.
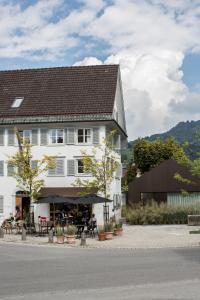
(28, 176)
(102, 170)
(148, 154)
(130, 175)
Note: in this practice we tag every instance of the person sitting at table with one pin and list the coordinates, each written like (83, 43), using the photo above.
(93, 221)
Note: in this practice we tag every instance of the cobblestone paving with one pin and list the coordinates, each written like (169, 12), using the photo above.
(134, 237)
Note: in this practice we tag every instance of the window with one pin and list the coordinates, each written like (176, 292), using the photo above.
(59, 168)
(26, 135)
(1, 204)
(56, 136)
(80, 166)
(80, 169)
(84, 136)
(17, 102)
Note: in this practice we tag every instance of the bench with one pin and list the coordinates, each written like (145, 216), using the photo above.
(193, 220)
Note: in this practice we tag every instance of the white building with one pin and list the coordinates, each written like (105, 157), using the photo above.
(62, 111)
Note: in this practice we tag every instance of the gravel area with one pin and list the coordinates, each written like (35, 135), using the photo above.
(134, 237)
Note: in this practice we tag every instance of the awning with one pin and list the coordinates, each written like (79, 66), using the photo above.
(67, 192)
(55, 199)
(90, 199)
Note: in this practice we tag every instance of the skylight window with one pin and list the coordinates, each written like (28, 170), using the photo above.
(17, 102)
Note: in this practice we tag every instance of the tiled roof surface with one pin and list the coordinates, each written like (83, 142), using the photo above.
(59, 91)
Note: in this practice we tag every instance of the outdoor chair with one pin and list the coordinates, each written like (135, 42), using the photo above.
(92, 230)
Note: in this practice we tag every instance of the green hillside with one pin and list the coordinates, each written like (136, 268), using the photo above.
(183, 132)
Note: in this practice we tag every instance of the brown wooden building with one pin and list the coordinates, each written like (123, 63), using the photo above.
(160, 185)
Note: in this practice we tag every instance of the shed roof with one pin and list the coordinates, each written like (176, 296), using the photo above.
(161, 180)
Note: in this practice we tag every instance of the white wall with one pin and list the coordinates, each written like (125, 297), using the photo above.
(8, 185)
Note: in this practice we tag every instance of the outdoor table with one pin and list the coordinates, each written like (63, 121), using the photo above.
(44, 227)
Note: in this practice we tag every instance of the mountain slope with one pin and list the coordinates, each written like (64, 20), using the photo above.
(183, 132)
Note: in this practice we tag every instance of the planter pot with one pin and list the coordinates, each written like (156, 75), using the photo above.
(71, 239)
(60, 239)
(118, 231)
(102, 236)
(109, 235)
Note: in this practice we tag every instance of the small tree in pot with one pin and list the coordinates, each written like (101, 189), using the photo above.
(60, 235)
(70, 233)
(118, 229)
(101, 233)
(109, 230)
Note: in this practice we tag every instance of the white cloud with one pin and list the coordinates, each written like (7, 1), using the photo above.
(149, 38)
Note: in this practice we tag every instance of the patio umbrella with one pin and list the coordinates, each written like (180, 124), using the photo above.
(54, 199)
(90, 199)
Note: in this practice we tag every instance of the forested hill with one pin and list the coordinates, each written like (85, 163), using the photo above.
(183, 132)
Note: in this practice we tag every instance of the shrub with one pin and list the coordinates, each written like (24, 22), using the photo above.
(108, 227)
(70, 230)
(59, 231)
(154, 213)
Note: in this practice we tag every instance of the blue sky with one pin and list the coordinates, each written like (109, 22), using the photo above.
(156, 43)
(191, 70)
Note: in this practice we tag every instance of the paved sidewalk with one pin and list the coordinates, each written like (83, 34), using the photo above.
(134, 237)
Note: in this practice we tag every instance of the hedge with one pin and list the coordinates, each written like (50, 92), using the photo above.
(154, 213)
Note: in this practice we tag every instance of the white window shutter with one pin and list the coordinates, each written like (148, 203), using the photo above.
(52, 172)
(1, 168)
(96, 135)
(10, 169)
(1, 204)
(71, 167)
(70, 136)
(60, 166)
(43, 136)
(35, 137)
(11, 137)
(1, 137)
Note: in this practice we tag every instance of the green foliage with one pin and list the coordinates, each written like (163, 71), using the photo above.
(102, 170)
(27, 177)
(59, 231)
(70, 230)
(108, 227)
(101, 229)
(187, 134)
(118, 225)
(153, 213)
(148, 154)
(130, 174)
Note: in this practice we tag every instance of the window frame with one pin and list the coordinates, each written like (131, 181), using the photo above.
(77, 160)
(84, 136)
(56, 136)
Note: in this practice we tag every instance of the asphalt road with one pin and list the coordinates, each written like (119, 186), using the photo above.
(30, 272)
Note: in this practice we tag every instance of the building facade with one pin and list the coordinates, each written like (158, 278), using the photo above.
(62, 111)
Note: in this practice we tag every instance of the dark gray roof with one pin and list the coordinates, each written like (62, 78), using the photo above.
(59, 91)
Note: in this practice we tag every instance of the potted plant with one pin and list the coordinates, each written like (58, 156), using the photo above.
(70, 232)
(101, 233)
(60, 235)
(118, 230)
(109, 230)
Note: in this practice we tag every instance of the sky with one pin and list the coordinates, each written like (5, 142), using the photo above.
(156, 43)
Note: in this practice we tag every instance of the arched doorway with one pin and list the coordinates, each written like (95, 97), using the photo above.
(23, 203)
